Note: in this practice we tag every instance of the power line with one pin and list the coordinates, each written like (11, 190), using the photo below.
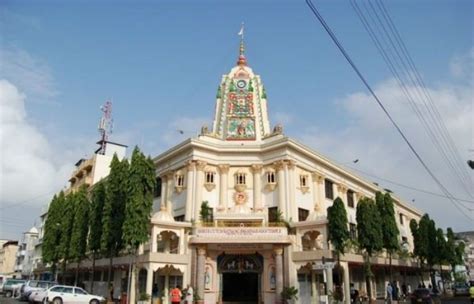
(407, 186)
(441, 136)
(362, 78)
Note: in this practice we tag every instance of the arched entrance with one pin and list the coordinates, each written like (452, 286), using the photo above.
(240, 277)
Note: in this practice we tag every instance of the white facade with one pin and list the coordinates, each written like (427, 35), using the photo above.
(25, 256)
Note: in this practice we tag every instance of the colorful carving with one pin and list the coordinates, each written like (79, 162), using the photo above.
(241, 128)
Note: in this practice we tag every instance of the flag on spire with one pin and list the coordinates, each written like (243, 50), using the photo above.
(241, 32)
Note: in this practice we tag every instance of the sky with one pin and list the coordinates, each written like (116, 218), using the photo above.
(160, 63)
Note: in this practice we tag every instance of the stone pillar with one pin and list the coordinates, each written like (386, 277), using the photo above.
(257, 187)
(329, 285)
(279, 272)
(166, 290)
(314, 288)
(290, 173)
(149, 280)
(223, 186)
(342, 192)
(201, 261)
(191, 169)
(164, 193)
(317, 180)
(346, 282)
(280, 167)
(200, 165)
(169, 191)
(133, 282)
(321, 194)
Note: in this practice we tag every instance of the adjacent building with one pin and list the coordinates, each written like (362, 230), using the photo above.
(468, 238)
(26, 252)
(8, 252)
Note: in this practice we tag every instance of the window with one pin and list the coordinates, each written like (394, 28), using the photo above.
(80, 291)
(67, 290)
(302, 214)
(352, 231)
(273, 214)
(401, 219)
(303, 180)
(210, 177)
(350, 198)
(404, 239)
(271, 177)
(328, 189)
(157, 192)
(57, 289)
(179, 218)
(240, 178)
(179, 179)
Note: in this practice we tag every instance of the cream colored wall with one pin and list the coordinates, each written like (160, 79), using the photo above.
(8, 256)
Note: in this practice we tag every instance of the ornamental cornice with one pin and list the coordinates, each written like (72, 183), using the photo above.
(279, 165)
(190, 165)
(223, 169)
(317, 176)
(291, 164)
(200, 165)
(256, 168)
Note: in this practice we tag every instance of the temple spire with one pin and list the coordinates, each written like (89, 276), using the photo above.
(242, 60)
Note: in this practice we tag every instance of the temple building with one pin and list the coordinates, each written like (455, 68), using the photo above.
(240, 212)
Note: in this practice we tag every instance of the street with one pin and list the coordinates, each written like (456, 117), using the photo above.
(456, 300)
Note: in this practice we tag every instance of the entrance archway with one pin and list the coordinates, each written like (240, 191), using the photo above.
(240, 278)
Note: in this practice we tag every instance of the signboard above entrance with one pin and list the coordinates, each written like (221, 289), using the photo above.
(247, 232)
(321, 266)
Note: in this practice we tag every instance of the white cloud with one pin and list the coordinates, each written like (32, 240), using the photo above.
(463, 65)
(27, 159)
(28, 73)
(182, 128)
(370, 137)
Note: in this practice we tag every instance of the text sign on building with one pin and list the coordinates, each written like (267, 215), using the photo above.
(253, 232)
(321, 266)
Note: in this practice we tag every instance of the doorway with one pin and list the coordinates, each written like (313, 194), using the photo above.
(240, 287)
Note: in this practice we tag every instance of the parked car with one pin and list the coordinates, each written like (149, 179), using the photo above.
(33, 285)
(38, 296)
(424, 296)
(461, 289)
(3, 278)
(60, 294)
(10, 285)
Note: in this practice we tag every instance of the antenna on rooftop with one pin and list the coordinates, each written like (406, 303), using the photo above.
(105, 125)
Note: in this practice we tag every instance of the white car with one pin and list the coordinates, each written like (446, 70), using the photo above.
(62, 294)
(37, 296)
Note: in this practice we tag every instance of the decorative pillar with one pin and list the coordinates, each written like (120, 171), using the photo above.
(317, 180)
(280, 166)
(164, 193)
(201, 260)
(257, 187)
(133, 282)
(279, 272)
(191, 169)
(329, 285)
(346, 283)
(223, 186)
(149, 280)
(342, 190)
(321, 193)
(166, 290)
(290, 173)
(314, 288)
(169, 191)
(200, 165)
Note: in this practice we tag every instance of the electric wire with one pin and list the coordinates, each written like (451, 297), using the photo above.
(392, 65)
(369, 88)
(445, 133)
(443, 141)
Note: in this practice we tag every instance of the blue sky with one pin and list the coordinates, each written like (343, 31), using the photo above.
(161, 61)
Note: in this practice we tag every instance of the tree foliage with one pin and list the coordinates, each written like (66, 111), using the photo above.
(369, 232)
(52, 230)
(338, 232)
(390, 230)
(80, 227)
(114, 208)
(67, 221)
(139, 203)
(96, 214)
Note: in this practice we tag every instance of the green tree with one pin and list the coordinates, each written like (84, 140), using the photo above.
(67, 222)
(95, 217)
(390, 230)
(52, 232)
(139, 203)
(369, 233)
(338, 232)
(206, 212)
(114, 210)
(80, 228)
